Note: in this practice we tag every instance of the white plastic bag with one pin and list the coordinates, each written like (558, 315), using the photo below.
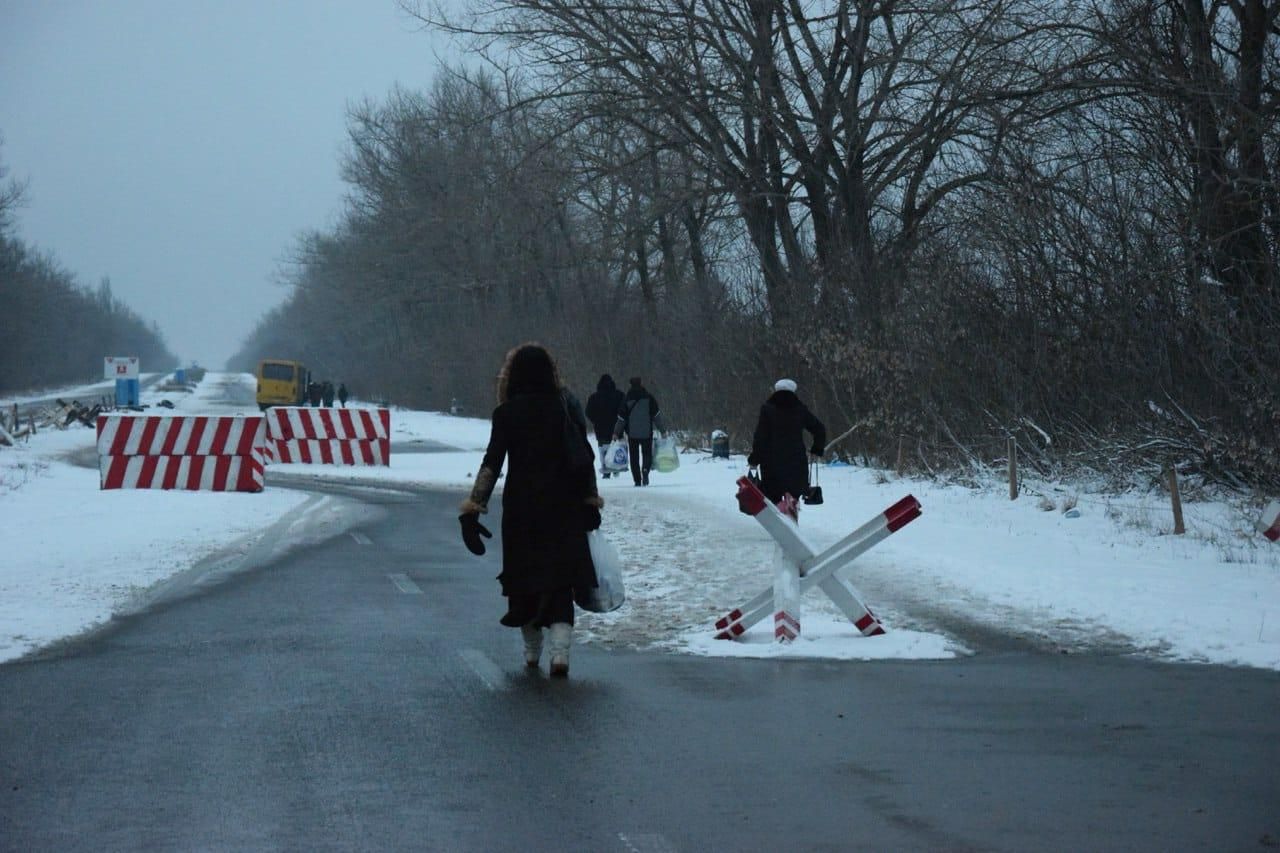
(615, 456)
(666, 456)
(609, 593)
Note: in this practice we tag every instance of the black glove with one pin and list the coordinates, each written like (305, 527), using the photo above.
(591, 518)
(472, 530)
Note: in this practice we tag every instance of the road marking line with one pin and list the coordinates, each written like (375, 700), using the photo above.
(405, 585)
(360, 538)
(488, 671)
(646, 843)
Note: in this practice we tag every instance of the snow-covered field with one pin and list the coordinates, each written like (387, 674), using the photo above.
(1112, 578)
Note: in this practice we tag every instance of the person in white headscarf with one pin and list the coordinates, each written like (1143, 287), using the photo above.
(778, 448)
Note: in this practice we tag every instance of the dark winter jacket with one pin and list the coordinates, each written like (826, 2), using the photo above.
(638, 414)
(603, 406)
(778, 445)
(544, 541)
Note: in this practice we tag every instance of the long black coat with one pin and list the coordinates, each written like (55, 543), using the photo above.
(544, 543)
(602, 409)
(778, 445)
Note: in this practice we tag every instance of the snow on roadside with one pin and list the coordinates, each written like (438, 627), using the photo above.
(75, 555)
(1112, 578)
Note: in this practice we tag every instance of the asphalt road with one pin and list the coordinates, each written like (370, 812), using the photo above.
(361, 696)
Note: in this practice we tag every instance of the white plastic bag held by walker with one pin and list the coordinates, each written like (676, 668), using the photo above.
(615, 457)
(666, 456)
(609, 594)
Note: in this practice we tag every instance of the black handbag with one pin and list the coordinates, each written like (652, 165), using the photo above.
(813, 495)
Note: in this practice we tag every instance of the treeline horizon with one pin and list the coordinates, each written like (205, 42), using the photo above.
(953, 224)
(53, 329)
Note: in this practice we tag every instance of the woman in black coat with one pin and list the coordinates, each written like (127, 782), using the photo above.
(778, 444)
(547, 505)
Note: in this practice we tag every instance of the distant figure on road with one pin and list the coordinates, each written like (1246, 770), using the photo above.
(602, 411)
(778, 444)
(313, 394)
(637, 417)
(326, 393)
(342, 394)
(547, 505)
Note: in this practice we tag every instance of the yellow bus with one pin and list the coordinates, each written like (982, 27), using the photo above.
(281, 383)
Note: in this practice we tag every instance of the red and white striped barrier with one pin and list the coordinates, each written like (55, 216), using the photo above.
(329, 436)
(1269, 524)
(221, 453)
(813, 569)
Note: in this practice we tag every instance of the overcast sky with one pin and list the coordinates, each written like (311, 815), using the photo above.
(179, 146)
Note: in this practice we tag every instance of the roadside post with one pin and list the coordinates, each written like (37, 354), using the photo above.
(798, 569)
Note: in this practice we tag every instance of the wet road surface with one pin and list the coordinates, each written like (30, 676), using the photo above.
(361, 695)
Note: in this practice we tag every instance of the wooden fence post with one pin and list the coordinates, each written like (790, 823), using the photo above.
(1172, 476)
(1013, 470)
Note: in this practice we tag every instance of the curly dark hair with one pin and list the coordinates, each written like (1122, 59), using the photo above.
(528, 369)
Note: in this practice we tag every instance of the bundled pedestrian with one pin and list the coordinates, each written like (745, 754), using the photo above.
(777, 447)
(342, 394)
(638, 415)
(314, 393)
(548, 504)
(602, 411)
(326, 392)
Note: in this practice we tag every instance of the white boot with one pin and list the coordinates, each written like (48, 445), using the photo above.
(532, 644)
(561, 634)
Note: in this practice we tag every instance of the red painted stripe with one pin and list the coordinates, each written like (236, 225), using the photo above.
(148, 472)
(149, 427)
(878, 632)
(348, 451)
(171, 438)
(733, 616)
(346, 425)
(902, 519)
(750, 499)
(326, 451)
(864, 622)
(171, 473)
(221, 432)
(384, 415)
(195, 472)
(114, 477)
(1272, 532)
(909, 502)
(122, 437)
(325, 423)
(310, 429)
(198, 426)
(222, 467)
(737, 629)
(384, 445)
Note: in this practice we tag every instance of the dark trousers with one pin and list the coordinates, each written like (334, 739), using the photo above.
(639, 471)
(539, 608)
